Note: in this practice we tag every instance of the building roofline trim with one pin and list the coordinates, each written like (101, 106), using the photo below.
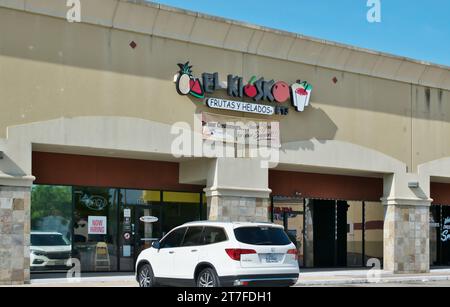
(368, 62)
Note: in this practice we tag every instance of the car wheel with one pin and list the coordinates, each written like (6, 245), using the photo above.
(208, 278)
(146, 277)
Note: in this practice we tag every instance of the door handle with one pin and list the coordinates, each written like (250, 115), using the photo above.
(194, 250)
(171, 252)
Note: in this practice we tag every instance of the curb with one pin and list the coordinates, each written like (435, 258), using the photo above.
(82, 280)
(382, 280)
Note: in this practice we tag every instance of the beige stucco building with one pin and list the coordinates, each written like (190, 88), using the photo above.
(93, 104)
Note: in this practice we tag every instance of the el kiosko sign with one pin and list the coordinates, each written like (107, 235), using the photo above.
(258, 90)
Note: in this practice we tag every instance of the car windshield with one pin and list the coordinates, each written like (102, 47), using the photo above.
(263, 235)
(48, 240)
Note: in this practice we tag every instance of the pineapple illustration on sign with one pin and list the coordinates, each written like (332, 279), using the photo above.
(187, 84)
(301, 94)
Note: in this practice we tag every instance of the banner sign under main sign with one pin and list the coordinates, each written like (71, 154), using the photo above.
(239, 130)
(217, 103)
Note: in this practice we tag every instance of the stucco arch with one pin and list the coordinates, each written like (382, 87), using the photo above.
(144, 139)
(439, 169)
(337, 157)
(139, 138)
(114, 136)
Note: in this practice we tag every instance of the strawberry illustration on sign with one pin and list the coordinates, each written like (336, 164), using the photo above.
(187, 84)
(301, 91)
(301, 94)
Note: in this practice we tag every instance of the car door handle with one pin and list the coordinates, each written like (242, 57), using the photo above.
(171, 252)
(194, 250)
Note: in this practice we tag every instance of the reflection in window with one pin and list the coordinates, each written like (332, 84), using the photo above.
(354, 233)
(434, 234)
(95, 232)
(51, 214)
(135, 234)
(213, 235)
(374, 230)
(289, 212)
(444, 237)
(180, 208)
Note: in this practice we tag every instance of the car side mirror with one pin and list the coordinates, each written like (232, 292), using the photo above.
(156, 245)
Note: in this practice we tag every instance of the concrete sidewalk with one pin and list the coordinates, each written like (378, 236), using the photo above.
(314, 277)
(86, 280)
(308, 277)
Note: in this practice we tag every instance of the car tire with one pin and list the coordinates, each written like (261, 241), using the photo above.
(207, 279)
(146, 278)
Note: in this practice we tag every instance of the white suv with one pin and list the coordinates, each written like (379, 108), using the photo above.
(220, 254)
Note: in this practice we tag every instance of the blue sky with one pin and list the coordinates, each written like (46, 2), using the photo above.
(411, 28)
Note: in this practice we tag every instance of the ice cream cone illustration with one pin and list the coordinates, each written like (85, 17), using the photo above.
(301, 94)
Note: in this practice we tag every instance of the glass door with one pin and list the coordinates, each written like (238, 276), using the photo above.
(445, 235)
(139, 227)
(139, 221)
(147, 227)
(289, 212)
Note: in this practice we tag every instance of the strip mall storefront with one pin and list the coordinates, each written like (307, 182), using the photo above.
(98, 206)
(73, 192)
(333, 225)
(140, 117)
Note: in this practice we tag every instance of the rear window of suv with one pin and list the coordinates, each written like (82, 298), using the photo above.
(262, 235)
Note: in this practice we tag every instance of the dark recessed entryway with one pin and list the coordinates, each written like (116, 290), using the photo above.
(330, 233)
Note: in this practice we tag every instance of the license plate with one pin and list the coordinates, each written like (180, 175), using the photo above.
(57, 263)
(271, 258)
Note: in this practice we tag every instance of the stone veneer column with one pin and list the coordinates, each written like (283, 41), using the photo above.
(14, 235)
(406, 236)
(237, 190)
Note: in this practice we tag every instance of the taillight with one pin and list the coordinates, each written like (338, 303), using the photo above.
(293, 252)
(235, 253)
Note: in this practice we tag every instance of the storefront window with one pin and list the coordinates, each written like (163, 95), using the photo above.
(331, 233)
(51, 240)
(355, 233)
(434, 234)
(95, 228)
(440, 235)
(444, 237)
(204, 207)
(179, 208)
(105, 229)
(374, 220)
(289, 213)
